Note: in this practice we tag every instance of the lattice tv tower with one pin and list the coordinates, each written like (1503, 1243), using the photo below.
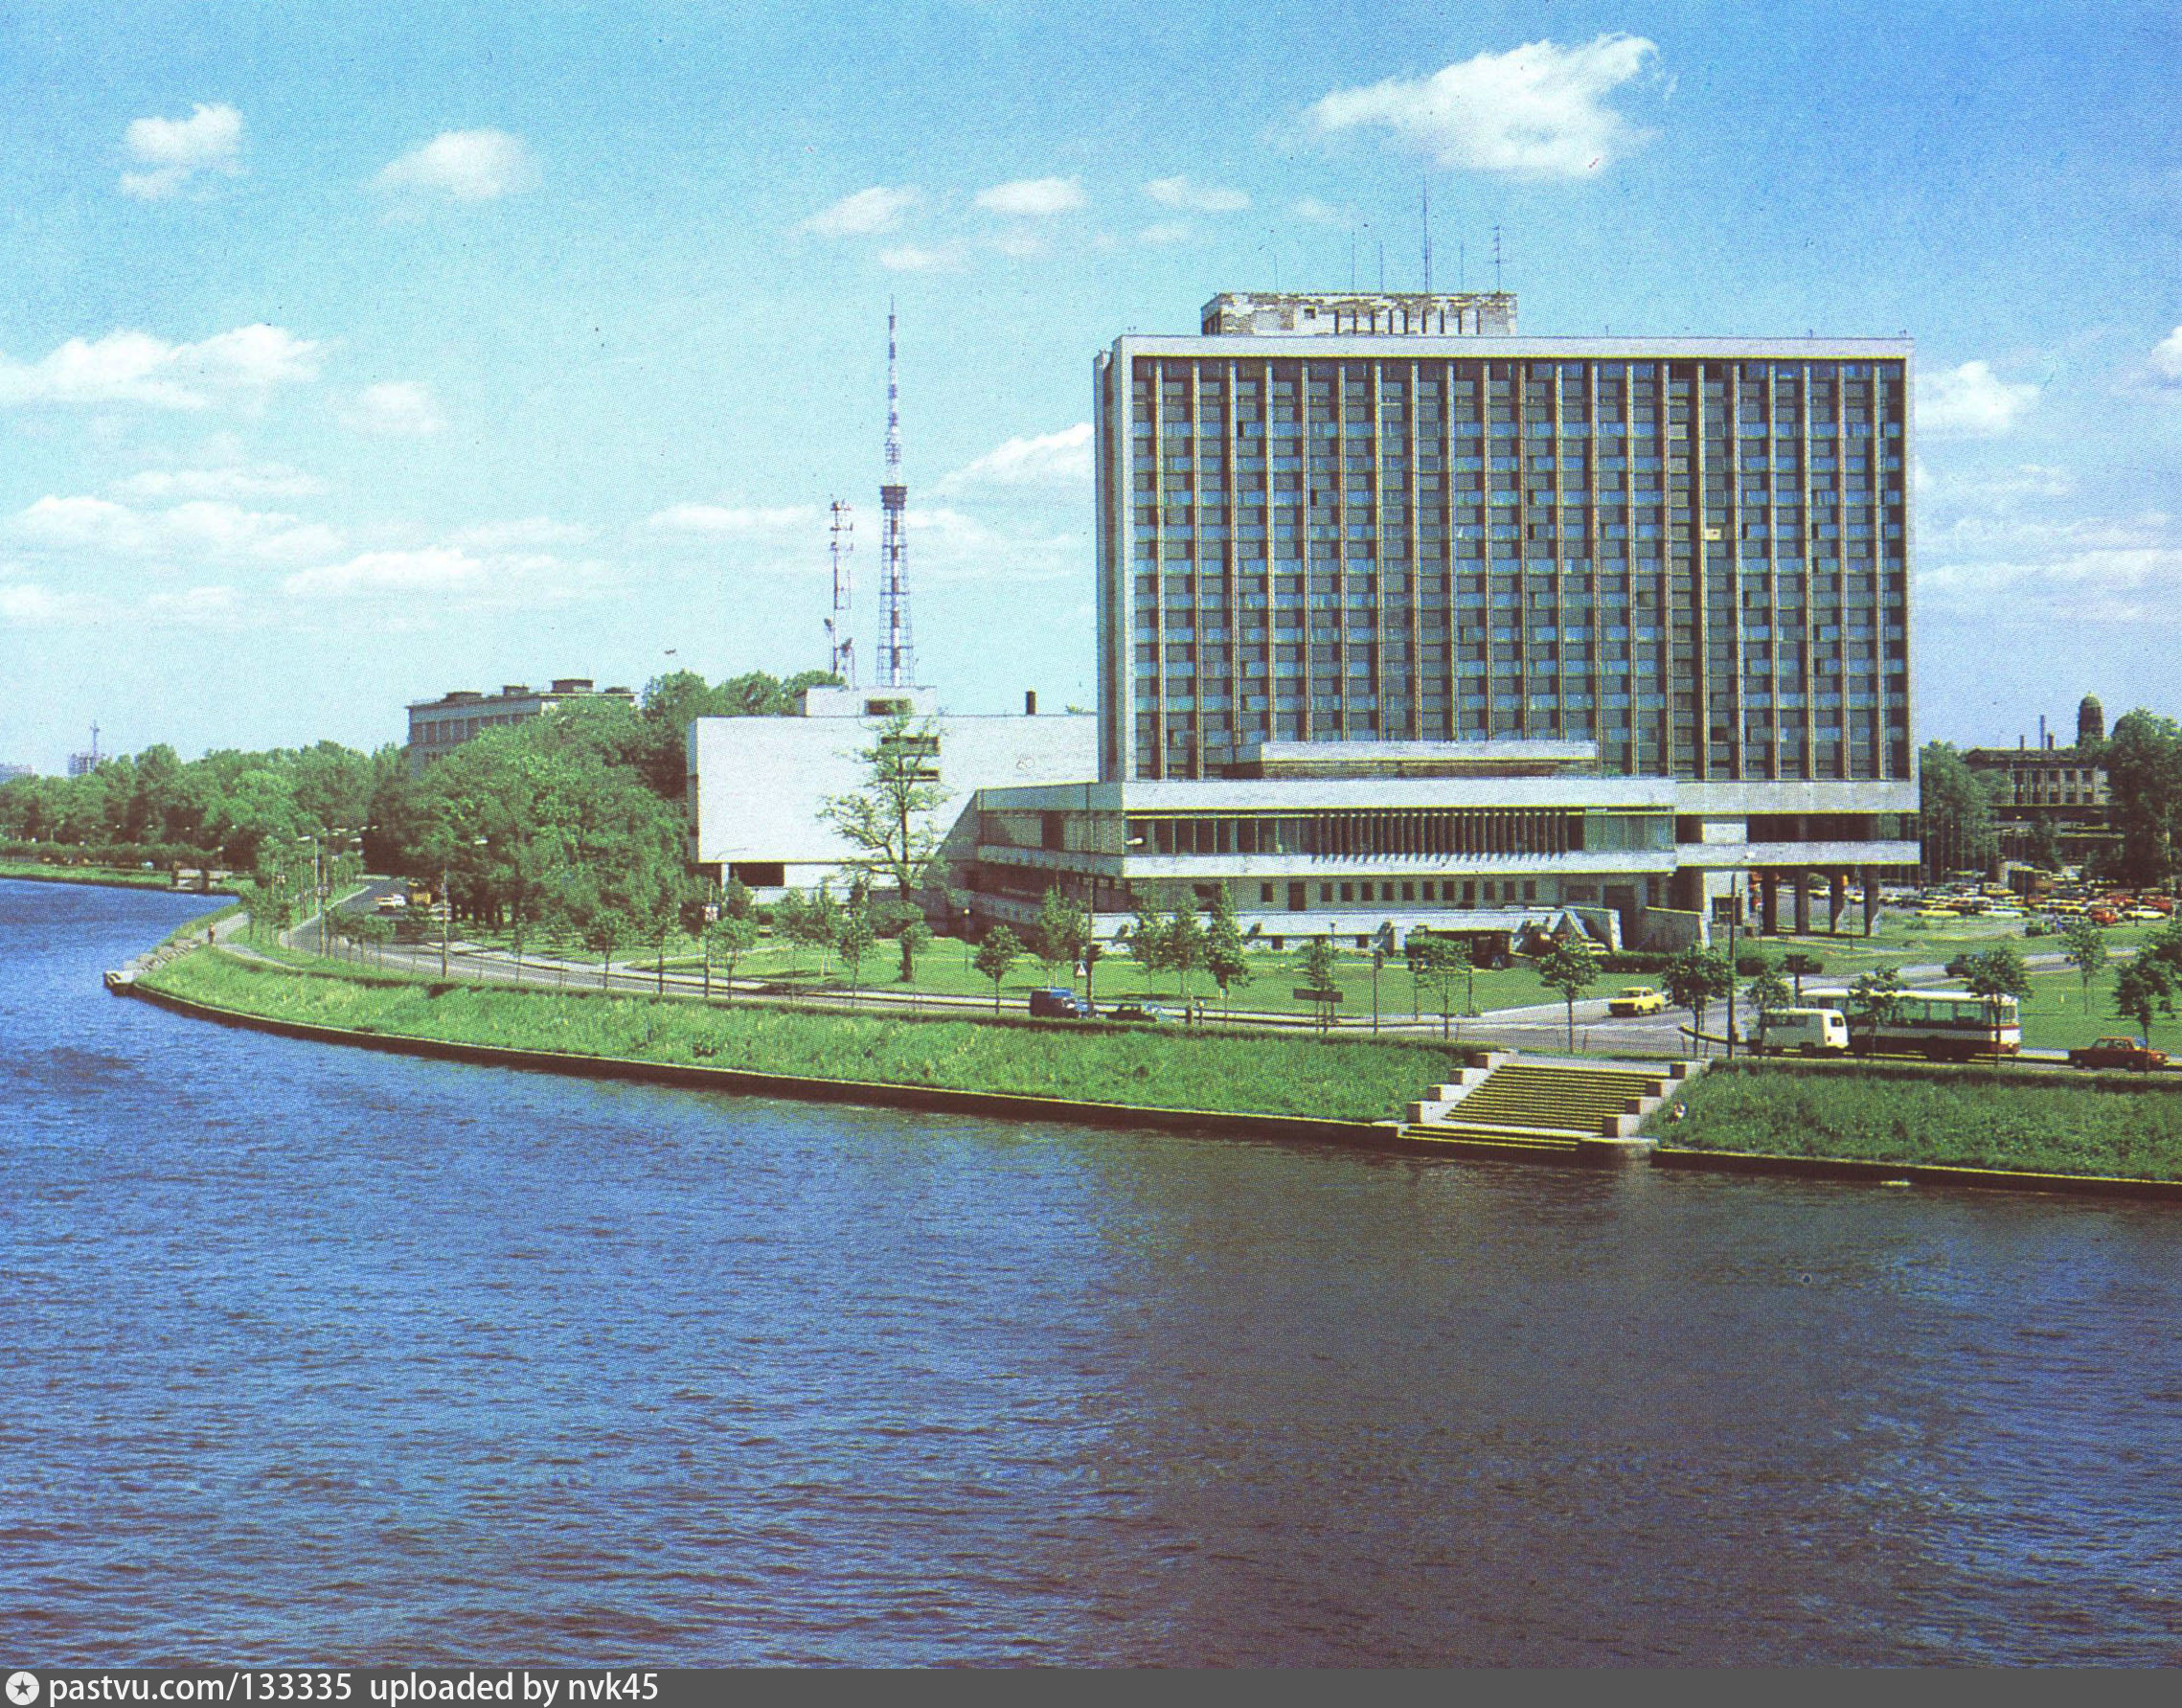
(896, 661)
(840, 542)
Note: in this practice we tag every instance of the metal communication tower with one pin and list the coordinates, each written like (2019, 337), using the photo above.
(896, 653)
(840, 542)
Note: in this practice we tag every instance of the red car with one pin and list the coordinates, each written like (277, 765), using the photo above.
(2117, 1052)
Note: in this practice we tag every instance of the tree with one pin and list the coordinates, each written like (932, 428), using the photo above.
(737, 900)
(1058, 933)
(593, 913)
(1319, 966)
(2143, 781)
(995, 955)
(1876, 1000)
(1225, 957)
(853, 938)
(1437, 961)
(1092, 953)
(1148, 940)
(1995, 974)
(1571, 967)
(2084, 945)
(731, 937)
(1957, 812)
(2045, 845)
(1766, 992)
(915, 936)
(1184, 954)
(2143, 986)
(891, 817)
(1696, 977)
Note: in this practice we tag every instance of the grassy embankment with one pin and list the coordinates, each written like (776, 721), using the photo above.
(133, 877)
(1956, 1117)
(1339, 1079)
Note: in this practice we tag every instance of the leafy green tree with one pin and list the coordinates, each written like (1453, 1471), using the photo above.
(1437, 961)
(729, 938)
(891, 819)
(1995, 974)
(914, 938)
(2143, 988)
(2045, 845)
(1767, 991)
(1876, 1000)
(853, 938)
(1320, 967)
(1225, 957)
(995, 955)
(736, 899)
(1148, 940)
(1694, 978)
(1057, 935)
(587, 910)
(1184, 954)
(1957, 812)
(2084, 945)
(1571, 967)
(2144, 783)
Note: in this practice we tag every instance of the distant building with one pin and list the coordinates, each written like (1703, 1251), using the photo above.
(8, 773)
(438, 727)
(2061, 787)
(758, 786)
(82, 765)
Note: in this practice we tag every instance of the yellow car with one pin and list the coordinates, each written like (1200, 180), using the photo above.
(1938, 913)
(1637, 999)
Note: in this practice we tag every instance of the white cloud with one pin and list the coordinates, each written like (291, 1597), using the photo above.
(2166, 357)
(1319, 212)
(2002, 488)
(909, 258)
(1972, 400)
(1032, 197)
(731, 518)
(865, 213)
(1537, 111)
(533, 532)
(201, 528)
(129, 367)
(1180, 191)
(396, 408)
(268, 480)
(2040, 574)
(1166, 233)
(949, 545)
(1062, 459)
(29, 604)
(211, 605)
(433, 569)
(210, 140)
(465, 166)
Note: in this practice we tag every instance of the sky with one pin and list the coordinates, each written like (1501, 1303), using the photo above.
(354, 352)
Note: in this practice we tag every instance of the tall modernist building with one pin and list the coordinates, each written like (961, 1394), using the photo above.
(1389, 542)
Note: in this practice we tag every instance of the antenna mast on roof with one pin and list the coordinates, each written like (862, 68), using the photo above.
(1497, 285)
(1427, 222)
(840, 542)
(897, 655)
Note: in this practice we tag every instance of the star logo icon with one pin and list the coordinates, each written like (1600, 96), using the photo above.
(22, 1688)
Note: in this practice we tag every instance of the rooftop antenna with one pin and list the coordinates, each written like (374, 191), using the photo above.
(897, 656)
(1497, 285)
(840, 542)
(1427, 222)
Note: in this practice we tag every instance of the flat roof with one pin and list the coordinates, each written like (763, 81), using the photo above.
(1487, 346)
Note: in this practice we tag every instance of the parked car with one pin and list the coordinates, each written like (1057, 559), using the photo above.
(1800, 1031)
(1636, 999)
(2141, 912)
(2103, 916)
(1061, 1005)
(1146, 1012)
(2117, 1052)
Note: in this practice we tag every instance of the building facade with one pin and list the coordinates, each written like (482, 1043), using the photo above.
(438, 727)
(2051, 785)
(758, 787)
(1340, 522)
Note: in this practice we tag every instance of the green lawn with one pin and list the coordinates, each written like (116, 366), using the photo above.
(1341, 1079)
(133, 877)
(1966, 1118)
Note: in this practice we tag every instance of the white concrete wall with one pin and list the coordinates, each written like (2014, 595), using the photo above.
(760, 785)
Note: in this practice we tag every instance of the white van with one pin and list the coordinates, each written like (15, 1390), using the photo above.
(1798, 1032)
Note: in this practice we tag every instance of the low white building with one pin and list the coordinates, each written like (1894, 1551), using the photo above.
(758, 786)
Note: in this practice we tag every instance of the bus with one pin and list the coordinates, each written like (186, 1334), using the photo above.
(1941, 1025)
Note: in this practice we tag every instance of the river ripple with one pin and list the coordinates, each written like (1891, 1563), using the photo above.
(322, 1356)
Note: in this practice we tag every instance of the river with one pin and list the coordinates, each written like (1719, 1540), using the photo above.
(323, 1355)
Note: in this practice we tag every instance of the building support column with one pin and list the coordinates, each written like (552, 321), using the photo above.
(1870, 876)
(1801, 879)
(1836, 899)
(1769, 904)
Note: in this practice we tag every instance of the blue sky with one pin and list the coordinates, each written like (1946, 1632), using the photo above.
(354, 352)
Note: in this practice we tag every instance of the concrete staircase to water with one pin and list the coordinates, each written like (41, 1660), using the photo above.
(1548, 1109)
